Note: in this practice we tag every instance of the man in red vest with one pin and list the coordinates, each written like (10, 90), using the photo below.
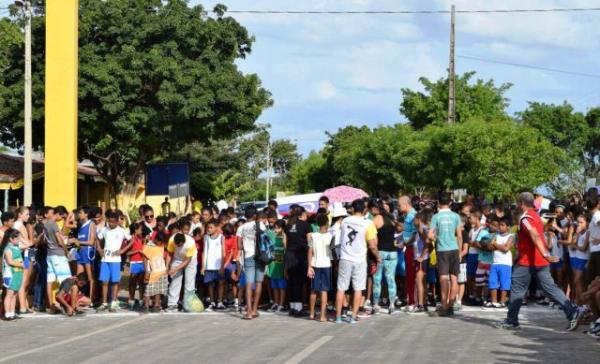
(534, 260)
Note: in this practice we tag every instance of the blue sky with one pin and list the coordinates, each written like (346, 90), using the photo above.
(329, 71)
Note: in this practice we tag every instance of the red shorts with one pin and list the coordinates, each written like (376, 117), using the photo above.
(68, 298)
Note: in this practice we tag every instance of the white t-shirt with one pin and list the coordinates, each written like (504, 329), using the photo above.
(595, 232)
(500, 257)
(356, 231)
(580, 243)
(213, 251)
(473, 237)
(320, 244)
(194, 226)
(248, 234)
(557, 249)
(113, 240)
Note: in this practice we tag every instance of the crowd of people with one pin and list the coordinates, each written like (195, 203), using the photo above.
(346, 262)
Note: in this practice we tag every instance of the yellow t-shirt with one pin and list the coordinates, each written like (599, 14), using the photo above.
(187, 250)
(156, 261)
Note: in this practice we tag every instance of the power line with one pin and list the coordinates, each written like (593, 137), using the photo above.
(555, 70)
(400, 12)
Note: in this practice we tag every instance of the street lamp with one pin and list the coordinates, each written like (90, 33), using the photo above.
(25, 6)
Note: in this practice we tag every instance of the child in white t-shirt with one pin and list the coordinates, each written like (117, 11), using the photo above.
(319, 265)
(111, 248)
(501, 270)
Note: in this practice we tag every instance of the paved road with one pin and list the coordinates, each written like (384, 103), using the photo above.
(223, 338)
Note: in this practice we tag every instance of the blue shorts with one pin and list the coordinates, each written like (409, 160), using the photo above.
(255, 273)
(322, 280)
(401, 266)
(578, 264)
(57, 268)
(110, 272)
(500, 276)
(278, 283)
(136, 268)
(472, 265)
(432, 275)
(231, 268)
(557, 265)
(212, 276)
(86, 255)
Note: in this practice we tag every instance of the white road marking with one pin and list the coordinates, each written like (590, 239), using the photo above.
(70, 340)
(308, 350)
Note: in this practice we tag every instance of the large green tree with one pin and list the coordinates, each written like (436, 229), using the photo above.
(154, 77)
(479, 99)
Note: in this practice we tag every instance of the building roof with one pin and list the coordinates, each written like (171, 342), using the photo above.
(11, 170)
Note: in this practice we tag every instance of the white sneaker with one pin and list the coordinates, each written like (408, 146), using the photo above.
(376, 308)
(221, 306)
(368, 304)
(410, 308)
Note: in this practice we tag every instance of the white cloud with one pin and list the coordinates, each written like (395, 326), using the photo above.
(326, 90)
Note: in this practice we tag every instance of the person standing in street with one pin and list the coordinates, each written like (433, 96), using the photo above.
(446, 230)
(534, 260)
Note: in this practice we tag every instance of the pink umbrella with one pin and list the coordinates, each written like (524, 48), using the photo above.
(344, 194)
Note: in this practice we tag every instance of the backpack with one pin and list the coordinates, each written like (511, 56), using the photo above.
(265, 247)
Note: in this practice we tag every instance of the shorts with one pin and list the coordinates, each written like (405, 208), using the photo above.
(500, 276)
(593, 268)
(462, 275)
(401, 266)
(448, 263)
(255, 273)
(159, 287)
(482, 275)
(278, 283)
(423, 266)
(578, 264)
(322, 280)
(557, 265)
(472, 265)
(68, 297)
(58, 268)
(212, 276)
(13, 283)
(432, 275)
(110, 272)
(354, 272)
(230, 269)
(86, 255)
(136, 268)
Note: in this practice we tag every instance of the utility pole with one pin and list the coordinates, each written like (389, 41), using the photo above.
(268, 169)
(451, 76)
(27, 174)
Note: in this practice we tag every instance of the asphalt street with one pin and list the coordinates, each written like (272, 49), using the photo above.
(127, 337)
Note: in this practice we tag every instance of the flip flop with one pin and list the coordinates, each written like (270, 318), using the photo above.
(246, 318)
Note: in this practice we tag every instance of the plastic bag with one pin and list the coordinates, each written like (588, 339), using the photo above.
(191, 302)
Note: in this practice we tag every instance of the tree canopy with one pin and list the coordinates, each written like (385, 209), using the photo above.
(155, 76)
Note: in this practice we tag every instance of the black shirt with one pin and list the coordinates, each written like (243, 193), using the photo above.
(296, 235)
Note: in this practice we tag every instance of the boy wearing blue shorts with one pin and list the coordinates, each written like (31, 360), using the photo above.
(501, 270)
(110, 249)
(86, 241)
(319, 268)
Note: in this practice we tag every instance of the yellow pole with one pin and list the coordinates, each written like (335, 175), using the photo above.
(60, 184)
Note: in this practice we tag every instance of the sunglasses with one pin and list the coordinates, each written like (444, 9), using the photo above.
(149, 216)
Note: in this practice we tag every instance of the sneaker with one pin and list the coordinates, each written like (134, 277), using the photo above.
(345, 311)
(376, 308)
(155, 310)
(174, 308)
(505, 325)
(131, 306)
(574, 322)
(362, 313)
(457, 306)
(391, 310)
(281, 308)
(145, 310)
(273, 308)
(102, 308)
(352, 320)
(368, 304)
(410, 308)
(419, 309)
(211, 307)
(114, 306)
(12, 318)
(339, 320)
(488, 305)
(221, 306)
